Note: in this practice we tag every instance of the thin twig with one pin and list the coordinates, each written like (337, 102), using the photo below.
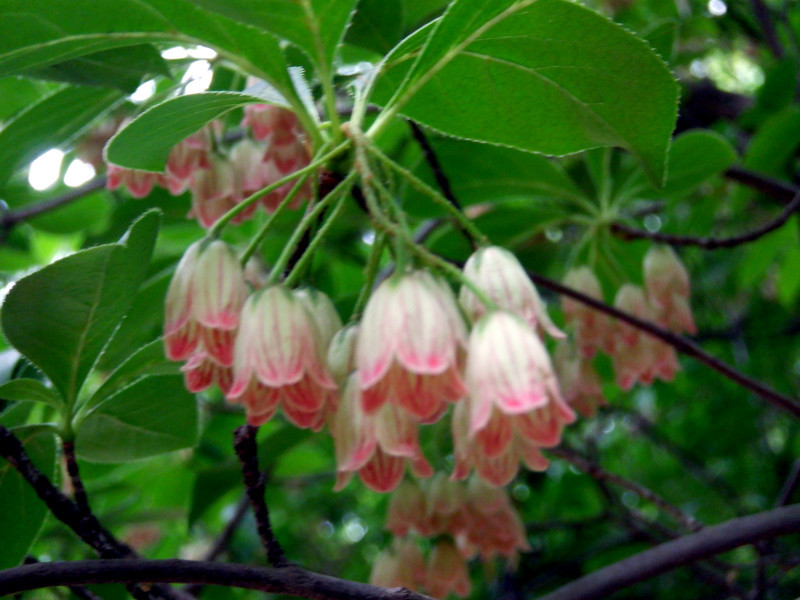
(680, 343)
(682, 551)
(13, 217)
(709, 243)
(789, 485)
(78, 491)
(767, 24)
(244, 443)
(290, 580)
(596, 471)
(777, 189)
(86, 526)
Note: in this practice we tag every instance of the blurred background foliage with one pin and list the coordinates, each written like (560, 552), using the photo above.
(701, 442)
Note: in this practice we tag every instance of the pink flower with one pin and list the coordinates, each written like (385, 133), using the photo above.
(580, 383)
(377, 446)
(406, 509)
(410, 347)
(402, 565)
(278, 360)
(447, 571)
(507, 367)
(185, 159)
(497, 272)
(139, 183)
(668, 289)
(593, 329)
(203, 303)
(493, 525)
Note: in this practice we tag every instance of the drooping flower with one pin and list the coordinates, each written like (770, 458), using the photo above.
(447, 571)
(579, 381)
(493, 525)
(378, 446)
(215, 191)
(668, 289)
(402, 565)
(139, 183)
(410, 347)
(203, 304)
(593, 329)
(497, 273)
(278, 361)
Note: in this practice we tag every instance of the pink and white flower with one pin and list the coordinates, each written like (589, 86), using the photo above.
(410, 347)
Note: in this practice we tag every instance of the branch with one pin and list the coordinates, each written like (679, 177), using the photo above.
(438, 173)
(683, 551)
(78, 491)
(767, 25)
(780, 190)
(79, 591)
(709, 243)
(85, 525)
(596, 471)
(290, 580)
(12, 217)
(244, 443)
(680, 343)
(789, 485)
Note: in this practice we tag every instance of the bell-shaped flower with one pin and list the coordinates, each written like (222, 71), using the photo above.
(593, 329)
(320, 306)
(410, 347)
(250, 170)
(377, 446)
(402, 565)
(204, 301)
(278, 360)
(579, 381)
(499, 275)
(494, 526)
(342, 352)
(447, 571)
(406, 508)
(507, 367)
(201, 371)
(139, 183)
(668, 288)
(215, 191)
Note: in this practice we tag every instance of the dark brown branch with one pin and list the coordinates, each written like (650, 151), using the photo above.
(438, 173)
(85, 525)
(789, 486)
(767, 24)
(13, 217)
(78, 491)
(780, 190)
(244, 443)
(710, 243)
(597, 472)
(79, 591)
(682, 551)
(289, 580)
(680, 343)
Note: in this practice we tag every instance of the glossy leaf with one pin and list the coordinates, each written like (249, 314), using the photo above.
(316, 26)
(40, 33)
(29, 390)
(152, 416)
(61, 316)
(377, 25)
(146, 141)
(22, 513)
(548, 76)
(121, 68)
(56, 120)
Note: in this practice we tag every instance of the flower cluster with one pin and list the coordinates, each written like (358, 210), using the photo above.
(413, 357)
(466, 520)
(219, 179)
(637, 357)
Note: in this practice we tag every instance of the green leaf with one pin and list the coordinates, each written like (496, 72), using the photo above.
(316, 26)
(775, 143)
(121, 68)
(545, 76)
(147, 360)
(210, 485)
(146, 141)
(18, 94)
(61, 316)
(41, 33)
(22, 513)
(30, 390)
(482, 173)
(377, 25)
(55, 121)
(152, 416)
(695, 157)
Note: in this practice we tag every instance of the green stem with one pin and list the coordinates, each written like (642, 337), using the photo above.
(461, 219)
(262, 234)
(300, 267)
(244, 204)
(305, 223)
(370, 273)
